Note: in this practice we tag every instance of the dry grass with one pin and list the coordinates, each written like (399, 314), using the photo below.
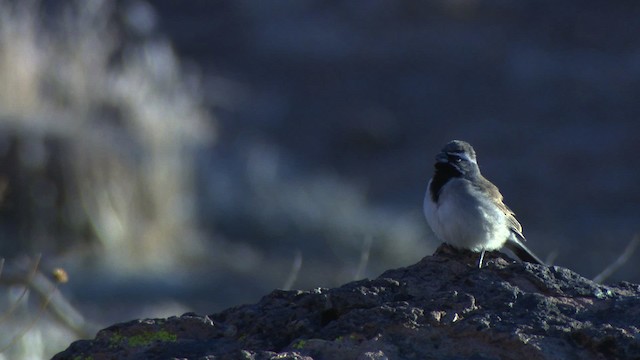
(98, 136)
(122, 120)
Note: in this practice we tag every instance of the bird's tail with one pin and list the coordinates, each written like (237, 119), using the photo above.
(521, 251)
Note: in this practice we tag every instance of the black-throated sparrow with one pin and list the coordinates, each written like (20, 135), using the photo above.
(466, 210)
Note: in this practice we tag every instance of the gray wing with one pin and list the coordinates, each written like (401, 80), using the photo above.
(514, 243)
(495, 194)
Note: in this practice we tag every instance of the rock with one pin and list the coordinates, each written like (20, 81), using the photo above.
(441, 307)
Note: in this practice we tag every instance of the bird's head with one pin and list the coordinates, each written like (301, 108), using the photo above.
(459, 156)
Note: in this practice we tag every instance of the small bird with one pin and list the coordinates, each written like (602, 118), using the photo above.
(466, 210)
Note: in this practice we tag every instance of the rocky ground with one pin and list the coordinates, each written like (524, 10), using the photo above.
(442, 307)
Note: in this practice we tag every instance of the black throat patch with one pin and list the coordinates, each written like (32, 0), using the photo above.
(444, 172)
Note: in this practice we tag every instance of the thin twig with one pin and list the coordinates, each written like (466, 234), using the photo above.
(25, 290)
(551, 258)
(295, 270)
(364, 257)
(55, 302)
(38, 316)
(621, 260)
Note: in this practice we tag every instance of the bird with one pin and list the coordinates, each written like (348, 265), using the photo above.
(466, 210)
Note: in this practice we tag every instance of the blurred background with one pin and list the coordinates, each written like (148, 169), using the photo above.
(183, 156)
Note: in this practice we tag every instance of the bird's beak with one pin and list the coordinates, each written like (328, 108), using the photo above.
(442, 157)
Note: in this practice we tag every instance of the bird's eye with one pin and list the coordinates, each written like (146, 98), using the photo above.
(455, 158)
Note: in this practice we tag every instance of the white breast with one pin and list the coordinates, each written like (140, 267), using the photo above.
(465, 218)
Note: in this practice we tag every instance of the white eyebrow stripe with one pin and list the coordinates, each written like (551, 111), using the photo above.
(463, 155)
